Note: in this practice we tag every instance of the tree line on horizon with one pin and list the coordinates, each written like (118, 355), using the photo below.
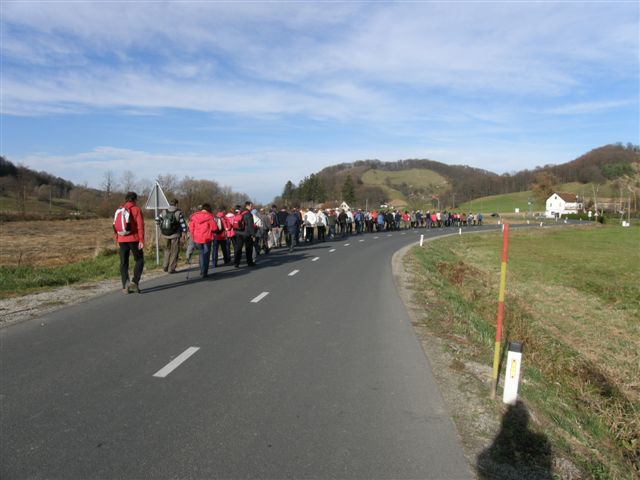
(344, 181)
(332, 185)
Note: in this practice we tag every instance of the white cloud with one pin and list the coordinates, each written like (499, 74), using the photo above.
(282, 58)
(585, 108)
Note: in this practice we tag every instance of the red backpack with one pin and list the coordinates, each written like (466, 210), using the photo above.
(238, 222)
(122, 221)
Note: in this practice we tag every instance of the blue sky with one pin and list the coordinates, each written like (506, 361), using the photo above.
(252, 94)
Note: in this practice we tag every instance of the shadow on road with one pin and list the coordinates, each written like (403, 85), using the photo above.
(224, 272)
(517, 452)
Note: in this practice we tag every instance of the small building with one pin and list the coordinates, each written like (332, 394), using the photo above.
(559, 204)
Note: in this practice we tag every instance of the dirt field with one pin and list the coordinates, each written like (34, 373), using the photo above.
(52, 243)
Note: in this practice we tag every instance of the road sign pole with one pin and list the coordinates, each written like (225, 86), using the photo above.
(157, 201)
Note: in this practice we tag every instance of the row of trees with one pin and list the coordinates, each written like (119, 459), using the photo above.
(190, 192)
(313, 190)
(22, 184)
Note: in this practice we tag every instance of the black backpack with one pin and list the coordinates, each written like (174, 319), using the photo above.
(170, 224)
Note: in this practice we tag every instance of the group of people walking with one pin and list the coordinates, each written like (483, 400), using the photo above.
(226, 233)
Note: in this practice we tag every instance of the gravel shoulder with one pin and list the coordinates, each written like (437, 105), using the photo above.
(19, 309)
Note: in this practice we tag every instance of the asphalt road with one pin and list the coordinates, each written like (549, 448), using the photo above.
(322, 377)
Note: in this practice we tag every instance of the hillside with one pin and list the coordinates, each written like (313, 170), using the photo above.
(415, 183)
(406, 186)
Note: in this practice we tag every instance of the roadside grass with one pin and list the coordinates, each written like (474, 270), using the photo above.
(40, 255)
(28, 279)
(22, 280)
(573, 298)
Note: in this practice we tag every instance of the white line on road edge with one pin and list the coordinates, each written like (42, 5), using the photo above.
(259, 297)
(332, 250)
(315, 259)
(293, 273)
(176, 362)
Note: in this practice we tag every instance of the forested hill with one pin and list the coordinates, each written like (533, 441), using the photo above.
(16, 176)
(460, 183)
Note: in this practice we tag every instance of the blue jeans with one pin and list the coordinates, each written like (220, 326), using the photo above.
(205, 255)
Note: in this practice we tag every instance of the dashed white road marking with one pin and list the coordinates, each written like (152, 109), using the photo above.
(403, 233)
(390, 235)
(332, 250)
(347, 244)
(259, 297)
(315, 259)
(375, 238)
(293, 273)
(176, 362)
(361, 240)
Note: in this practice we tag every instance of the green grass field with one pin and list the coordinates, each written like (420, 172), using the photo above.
(35, 206)
(506, 203)
(575, 303)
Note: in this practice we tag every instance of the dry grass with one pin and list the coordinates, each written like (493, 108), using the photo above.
(57, 242)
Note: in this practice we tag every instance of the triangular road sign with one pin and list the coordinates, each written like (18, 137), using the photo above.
(157, 199)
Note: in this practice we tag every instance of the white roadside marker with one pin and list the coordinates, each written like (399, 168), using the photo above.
(332, 250)
(259, 297)
(293, 273)
(176, 362)
(315, 259)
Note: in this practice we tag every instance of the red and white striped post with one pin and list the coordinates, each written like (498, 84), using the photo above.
(503, 284)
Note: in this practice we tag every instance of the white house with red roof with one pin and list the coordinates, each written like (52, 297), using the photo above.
(561, 203)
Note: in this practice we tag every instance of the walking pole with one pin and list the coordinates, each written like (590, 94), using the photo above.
(503, 282)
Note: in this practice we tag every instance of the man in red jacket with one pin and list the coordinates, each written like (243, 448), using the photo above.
(130, 240)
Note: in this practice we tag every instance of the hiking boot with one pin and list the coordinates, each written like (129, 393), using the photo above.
(133, 288)
(125, 291)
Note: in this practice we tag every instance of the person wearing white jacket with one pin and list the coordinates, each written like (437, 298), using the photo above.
(309, 220)
(321, 224)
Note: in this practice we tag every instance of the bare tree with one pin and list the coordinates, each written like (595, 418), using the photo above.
(108, 184)
(128, 181)
(169, 183)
